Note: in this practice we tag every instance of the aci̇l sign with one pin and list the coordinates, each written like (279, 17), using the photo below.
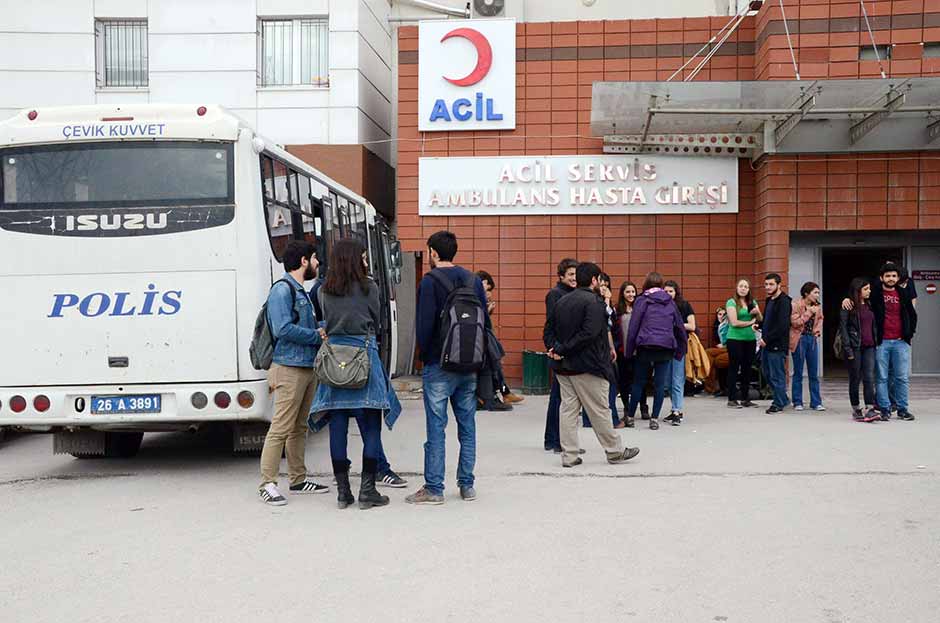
(467, 75)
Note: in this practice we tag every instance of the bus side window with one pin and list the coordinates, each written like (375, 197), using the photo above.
(277, 214)
(267, 177)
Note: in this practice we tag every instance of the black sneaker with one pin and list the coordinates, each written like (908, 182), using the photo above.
(308, 486)
(748, 403)
(468, 494)
(907, 416)
(644, 412)
(496, 406)
(391, 479)
(555, 449)
(654, 424)
(734, 404)
(773, 409)
(885, 415)
(857, 415)
(270, 494)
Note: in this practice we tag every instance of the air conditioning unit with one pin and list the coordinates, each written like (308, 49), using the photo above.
(488, 8)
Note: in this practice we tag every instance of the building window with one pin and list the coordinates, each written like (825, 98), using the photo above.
(867, 53)
(121, 53)
(932, 50)
(293, 52)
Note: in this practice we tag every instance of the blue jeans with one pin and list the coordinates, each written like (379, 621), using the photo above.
(552, 434)
(894, 364)
(641, 369)
(677, 384)
(773, 364)
(807, 351)
(383, 466)
(611, 402)
(441, 387)
(370, 427)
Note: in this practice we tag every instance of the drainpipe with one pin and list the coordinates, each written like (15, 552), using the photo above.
(439, 8)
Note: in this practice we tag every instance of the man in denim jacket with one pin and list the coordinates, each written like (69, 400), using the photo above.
(291, 377)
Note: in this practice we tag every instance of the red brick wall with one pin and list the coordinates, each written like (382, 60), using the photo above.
(557, 63)
(826, 36)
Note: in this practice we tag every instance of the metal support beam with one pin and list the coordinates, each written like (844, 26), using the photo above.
(893, 100)
(804, 104)
(933, 131)
(649, 120)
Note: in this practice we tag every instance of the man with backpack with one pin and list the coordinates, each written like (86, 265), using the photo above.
(451, 332)
(296, 337)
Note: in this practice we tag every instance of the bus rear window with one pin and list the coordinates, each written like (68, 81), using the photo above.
(117, 174)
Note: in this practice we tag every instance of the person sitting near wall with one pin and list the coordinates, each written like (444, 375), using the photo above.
(718, 354)
(493, 394)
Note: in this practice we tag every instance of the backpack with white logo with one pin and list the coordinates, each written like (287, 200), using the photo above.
(462, 327)
(261, 349)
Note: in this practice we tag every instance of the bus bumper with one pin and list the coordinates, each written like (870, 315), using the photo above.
(71, 406)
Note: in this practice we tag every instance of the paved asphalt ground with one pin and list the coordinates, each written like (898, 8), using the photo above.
(735, 516)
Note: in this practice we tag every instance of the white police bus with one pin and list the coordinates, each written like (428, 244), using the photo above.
(137, 244)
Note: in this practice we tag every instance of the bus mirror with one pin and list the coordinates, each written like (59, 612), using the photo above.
(396, 275)
(395, 252)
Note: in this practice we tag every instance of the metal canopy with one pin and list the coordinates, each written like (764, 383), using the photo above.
(778, 116)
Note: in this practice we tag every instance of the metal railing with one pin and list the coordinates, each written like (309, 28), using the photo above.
(121, 53)
(284, 42)
(314, 52)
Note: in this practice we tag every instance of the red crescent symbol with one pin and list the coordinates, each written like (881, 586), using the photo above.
(484, 56)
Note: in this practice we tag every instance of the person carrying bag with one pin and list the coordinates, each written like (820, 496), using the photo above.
(353, 382)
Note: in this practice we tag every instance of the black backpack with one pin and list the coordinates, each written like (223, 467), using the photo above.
(261, 349)
(461, 327)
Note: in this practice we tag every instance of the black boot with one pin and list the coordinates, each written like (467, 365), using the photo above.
(344, 496)
(368, 496)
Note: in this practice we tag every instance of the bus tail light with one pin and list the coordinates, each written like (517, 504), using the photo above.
(31, 115)
(246, 399)
(201, 111)
(222, 400)
(41, 403)
(18, 404)
(199, 400)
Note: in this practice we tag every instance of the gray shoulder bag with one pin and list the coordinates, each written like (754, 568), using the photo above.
(339, 366)
(342, 367)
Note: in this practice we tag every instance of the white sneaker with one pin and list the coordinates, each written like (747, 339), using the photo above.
(269, 494)
(798, 408)
(820, 408)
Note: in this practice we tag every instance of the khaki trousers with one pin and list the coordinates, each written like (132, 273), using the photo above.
(293, 394)
(591, 393)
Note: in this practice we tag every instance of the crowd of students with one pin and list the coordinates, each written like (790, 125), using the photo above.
(326, 368)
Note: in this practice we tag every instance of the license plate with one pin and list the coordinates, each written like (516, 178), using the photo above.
(144, 403)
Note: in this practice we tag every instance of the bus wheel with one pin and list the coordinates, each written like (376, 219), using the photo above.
(122, 445)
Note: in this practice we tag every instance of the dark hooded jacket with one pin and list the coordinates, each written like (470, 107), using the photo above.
(580, 322)
(657, 323)
(551, 299)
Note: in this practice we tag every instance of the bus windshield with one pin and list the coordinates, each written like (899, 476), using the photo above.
(116, 174)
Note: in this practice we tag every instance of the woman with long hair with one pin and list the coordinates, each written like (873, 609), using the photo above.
(350, 303)
(859, 333)
(656, 336)
(677, 380)
(743, 315)
(626, 296)
(806, 321)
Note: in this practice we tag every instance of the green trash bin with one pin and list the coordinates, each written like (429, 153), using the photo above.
(535, 380)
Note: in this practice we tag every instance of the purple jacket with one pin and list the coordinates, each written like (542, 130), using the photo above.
(656, 322)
